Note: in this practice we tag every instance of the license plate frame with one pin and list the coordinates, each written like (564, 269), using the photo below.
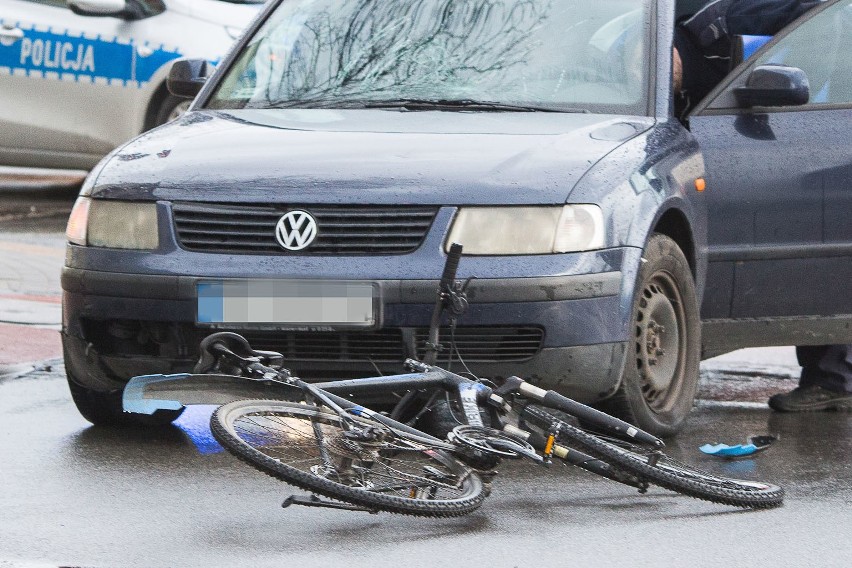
(298, 305)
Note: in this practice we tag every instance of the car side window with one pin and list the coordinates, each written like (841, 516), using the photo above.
(820, 47)
(56, 3)
(151, 7)
(146, 8)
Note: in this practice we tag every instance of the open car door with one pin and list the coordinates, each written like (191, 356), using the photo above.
(780, 191)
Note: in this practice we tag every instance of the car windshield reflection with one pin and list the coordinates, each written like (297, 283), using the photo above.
(554, 54)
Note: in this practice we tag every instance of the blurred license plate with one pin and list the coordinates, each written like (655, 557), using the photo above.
(287, 302)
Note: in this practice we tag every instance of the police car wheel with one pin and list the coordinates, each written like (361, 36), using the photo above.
(660, 377)
(171, 108)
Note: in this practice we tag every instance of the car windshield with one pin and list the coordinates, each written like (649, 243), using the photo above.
(563, 55)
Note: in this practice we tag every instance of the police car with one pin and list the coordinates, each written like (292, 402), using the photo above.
(79, 78)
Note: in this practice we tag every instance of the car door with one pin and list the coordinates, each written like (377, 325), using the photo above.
(780, 190)
(63, 83)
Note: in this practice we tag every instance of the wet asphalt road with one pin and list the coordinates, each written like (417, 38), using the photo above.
(77, 495)
(85, 496)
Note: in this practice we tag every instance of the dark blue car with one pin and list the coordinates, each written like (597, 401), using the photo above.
(308, 199)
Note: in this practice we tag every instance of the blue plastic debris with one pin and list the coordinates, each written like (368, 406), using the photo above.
(753, 445)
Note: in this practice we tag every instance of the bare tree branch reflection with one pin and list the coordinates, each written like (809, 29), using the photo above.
(367, 48)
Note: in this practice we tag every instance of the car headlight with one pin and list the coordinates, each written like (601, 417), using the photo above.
(113, 224)
(528, 230)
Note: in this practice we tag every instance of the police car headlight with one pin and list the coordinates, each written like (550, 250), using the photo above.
(113, 224)
(528, 230)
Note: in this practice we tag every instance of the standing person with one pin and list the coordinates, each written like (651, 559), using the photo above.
(825, 382)
(701, 59)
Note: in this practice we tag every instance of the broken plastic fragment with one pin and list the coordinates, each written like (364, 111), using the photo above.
(753, 445)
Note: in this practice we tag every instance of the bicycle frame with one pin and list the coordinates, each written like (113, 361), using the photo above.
(148, 393)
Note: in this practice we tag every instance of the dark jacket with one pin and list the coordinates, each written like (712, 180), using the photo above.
(704, 40)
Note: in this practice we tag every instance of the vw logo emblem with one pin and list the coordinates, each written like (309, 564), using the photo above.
(296, 230)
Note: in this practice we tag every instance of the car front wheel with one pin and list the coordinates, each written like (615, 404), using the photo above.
(105, 408)
(660, 377)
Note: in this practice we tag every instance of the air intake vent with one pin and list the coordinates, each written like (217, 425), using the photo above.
(476, 344)
(343, 230)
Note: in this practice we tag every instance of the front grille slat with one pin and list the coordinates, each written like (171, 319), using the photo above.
(228, 231)
(476, 344)
(344, 230)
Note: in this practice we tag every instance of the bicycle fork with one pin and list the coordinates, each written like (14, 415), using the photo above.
(548, 446)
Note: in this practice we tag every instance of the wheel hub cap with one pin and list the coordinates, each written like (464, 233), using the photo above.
(657, 341)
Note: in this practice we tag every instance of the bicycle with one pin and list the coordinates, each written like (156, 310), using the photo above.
(313, 436)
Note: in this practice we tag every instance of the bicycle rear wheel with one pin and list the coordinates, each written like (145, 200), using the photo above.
(664, 471)
(310, 448)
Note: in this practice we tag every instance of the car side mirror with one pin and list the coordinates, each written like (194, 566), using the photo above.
(774, 85)
(187, 76)
(104, 8)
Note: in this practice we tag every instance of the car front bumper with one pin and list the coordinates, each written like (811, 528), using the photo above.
(572, 328)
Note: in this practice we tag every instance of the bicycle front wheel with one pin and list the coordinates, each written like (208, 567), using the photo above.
(311, 448)
(660, 469)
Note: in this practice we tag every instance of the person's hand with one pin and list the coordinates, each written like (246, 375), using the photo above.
(677, 71)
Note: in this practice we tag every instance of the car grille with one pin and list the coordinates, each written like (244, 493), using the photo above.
(341, 230)
(476, 344)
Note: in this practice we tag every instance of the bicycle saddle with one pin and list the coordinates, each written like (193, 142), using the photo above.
(233, 346)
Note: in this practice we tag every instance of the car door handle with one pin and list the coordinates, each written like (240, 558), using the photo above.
(10, 35)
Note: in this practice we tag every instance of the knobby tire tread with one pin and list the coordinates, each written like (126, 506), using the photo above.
(772, 496)
(331, 489)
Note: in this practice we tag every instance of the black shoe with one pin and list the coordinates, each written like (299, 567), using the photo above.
(810, 399)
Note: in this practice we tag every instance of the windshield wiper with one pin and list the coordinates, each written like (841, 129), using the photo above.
(315, 104)
(467, 104)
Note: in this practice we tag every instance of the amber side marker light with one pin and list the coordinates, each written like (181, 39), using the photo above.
(78, 222)
(700, 185)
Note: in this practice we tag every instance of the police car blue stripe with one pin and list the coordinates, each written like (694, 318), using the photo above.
(65, 55)
(146, 67)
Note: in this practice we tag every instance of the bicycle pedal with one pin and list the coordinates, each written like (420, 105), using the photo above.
(314, 501)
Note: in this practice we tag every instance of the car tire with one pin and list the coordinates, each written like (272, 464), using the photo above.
(660, 376)
(105, 408)
(170, 109)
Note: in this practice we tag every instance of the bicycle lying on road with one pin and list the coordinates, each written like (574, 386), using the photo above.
(314, 436)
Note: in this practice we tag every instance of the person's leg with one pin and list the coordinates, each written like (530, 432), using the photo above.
(826, 366)
(825, 383)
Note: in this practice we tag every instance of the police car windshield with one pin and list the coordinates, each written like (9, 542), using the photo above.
(559, 54)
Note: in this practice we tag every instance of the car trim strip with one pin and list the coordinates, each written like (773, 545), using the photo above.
(485, 290)
(752, 252)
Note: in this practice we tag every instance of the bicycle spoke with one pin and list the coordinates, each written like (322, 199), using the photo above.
(359, 461)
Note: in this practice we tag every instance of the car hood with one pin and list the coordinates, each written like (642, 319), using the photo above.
(368, 156)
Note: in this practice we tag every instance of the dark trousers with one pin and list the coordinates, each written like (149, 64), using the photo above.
(826, 366)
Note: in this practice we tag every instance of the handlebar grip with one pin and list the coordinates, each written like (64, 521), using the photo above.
(451, 266)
